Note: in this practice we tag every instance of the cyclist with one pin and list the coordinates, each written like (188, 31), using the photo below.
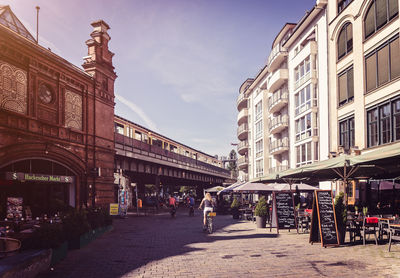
(208, 206)
(191, 205)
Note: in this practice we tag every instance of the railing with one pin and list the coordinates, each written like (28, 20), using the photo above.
(278, 169)
(242, 128)
(136, 146)
(243, 113)
(244, 160)
(306, 106)
(240, 98)
(243, 145)
(279, 144)
(278, 96)
(275, 52)
(277, 121)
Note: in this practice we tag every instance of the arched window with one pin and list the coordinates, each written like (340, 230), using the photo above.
(379, 13)
(345, 40)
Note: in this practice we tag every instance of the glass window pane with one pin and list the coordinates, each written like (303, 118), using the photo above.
(396, 120)
(308, 150)
(303, 153)
(370, 68)
(350, 84)
(342, 43)
(342, 88)
(394, 59)
(393, 8)
(369, 23)
(349, 33)
(383, 65)
(381, 13)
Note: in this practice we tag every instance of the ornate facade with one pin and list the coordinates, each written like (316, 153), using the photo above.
(55, 120)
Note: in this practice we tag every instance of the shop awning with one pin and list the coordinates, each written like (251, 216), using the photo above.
(214, 189)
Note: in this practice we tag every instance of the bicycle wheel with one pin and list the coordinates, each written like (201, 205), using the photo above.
(210, 225)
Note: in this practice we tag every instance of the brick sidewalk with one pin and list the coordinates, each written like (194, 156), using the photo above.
(158, 246)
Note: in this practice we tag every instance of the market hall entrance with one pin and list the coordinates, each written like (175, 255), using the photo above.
(34, 188)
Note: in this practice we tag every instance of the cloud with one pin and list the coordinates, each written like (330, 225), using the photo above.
(151, 125)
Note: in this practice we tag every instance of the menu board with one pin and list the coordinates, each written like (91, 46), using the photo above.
(323, 210)
(14, 207)
(283, 211)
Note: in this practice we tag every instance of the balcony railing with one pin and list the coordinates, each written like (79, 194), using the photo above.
(278, 169)
(279, 146)
(243, 162)
(241, 98)
(279, 97)
(130, 144)
(243, 114)
(242, 146)
(242, 131)
(280, 121)
(306, 106)
(276, 56)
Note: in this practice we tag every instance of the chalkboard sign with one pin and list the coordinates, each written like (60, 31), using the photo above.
(324, 211)
(283, 211)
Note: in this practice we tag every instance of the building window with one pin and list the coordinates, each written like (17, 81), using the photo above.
(301, 72)
(303, 154)
(382, 64)
(259, 129)
(346, 86)
(303, 127)
(346, 131)
(259, 168)
(383, 123)
(119, 128)
(303, 100)
(258, 110)
(259, 148)
(345, 40)
(379, 13)
(343, 4)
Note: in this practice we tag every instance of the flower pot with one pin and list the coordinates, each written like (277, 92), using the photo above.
(261, 221)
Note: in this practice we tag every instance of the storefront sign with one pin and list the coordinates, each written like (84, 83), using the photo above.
(38, 177)
(114, 209)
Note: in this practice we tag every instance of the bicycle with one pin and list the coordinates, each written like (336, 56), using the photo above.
(209, 222)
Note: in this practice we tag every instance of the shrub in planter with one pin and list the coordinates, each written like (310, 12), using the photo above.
(95, 218)
(235, 208)
(261, 212)
(75, 225)
(341, 216)
(47, 236)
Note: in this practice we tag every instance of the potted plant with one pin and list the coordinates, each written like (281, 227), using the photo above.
(341, 216)
(261, 211)
(235, 208)
(76, 229)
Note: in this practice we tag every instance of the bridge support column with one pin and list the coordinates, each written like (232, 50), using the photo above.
(157, 184)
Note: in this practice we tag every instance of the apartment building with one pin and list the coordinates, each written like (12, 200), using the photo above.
(308, 88)
(364, 71)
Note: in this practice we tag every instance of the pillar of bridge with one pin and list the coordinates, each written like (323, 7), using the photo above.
(158, 187)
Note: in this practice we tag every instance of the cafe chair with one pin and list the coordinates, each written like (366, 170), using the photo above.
(384, 228)
(370, 227)
(302, 221)
(394, 234)
(354, 230)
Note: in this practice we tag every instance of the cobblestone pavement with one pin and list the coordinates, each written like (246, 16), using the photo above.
(159, 246)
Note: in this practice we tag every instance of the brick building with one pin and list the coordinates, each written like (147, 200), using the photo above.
(55, 121)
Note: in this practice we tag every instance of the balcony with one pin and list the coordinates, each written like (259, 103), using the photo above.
(242, 131)
(242, 116)
(243, 163)
(277, 124)
(242, 147)
(276, 57)
(278, 100)
(241, 102)
(279, 146)
(310, 103)
(312, 74)
(278, 78)
(278, 169)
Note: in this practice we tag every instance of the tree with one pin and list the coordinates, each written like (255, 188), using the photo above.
(232, 166)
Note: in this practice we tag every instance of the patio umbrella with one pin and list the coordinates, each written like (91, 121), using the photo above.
(300, 186)
(230, 188)
(214, 189)
(254, 187)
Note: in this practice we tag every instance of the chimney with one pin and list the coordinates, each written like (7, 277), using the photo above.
(99, 56)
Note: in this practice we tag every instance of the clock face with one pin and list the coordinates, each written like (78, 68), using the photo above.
(45, 94)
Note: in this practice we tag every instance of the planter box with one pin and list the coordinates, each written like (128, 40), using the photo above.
(58, 254)
(86, 238)
(261, 221)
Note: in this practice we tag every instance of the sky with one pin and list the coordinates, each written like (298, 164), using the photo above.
(180, 63)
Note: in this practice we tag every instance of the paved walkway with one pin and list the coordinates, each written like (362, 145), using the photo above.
(158, 246)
